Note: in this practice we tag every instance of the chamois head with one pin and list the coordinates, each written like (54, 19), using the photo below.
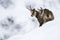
(42, 15)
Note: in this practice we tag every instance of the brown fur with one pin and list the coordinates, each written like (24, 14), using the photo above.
(42, 15)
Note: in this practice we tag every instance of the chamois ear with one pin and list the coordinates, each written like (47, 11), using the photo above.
(33, 11)
(29, 7)
(40, 9)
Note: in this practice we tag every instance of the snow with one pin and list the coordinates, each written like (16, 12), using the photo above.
(24, 28)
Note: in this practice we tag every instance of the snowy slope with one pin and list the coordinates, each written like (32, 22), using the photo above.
(29, 29)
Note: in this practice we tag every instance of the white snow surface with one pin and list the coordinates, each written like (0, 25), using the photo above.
(29, 29)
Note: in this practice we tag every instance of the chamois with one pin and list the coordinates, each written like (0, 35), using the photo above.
(42, 15)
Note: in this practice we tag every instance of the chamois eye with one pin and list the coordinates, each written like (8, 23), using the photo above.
(47, 15)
